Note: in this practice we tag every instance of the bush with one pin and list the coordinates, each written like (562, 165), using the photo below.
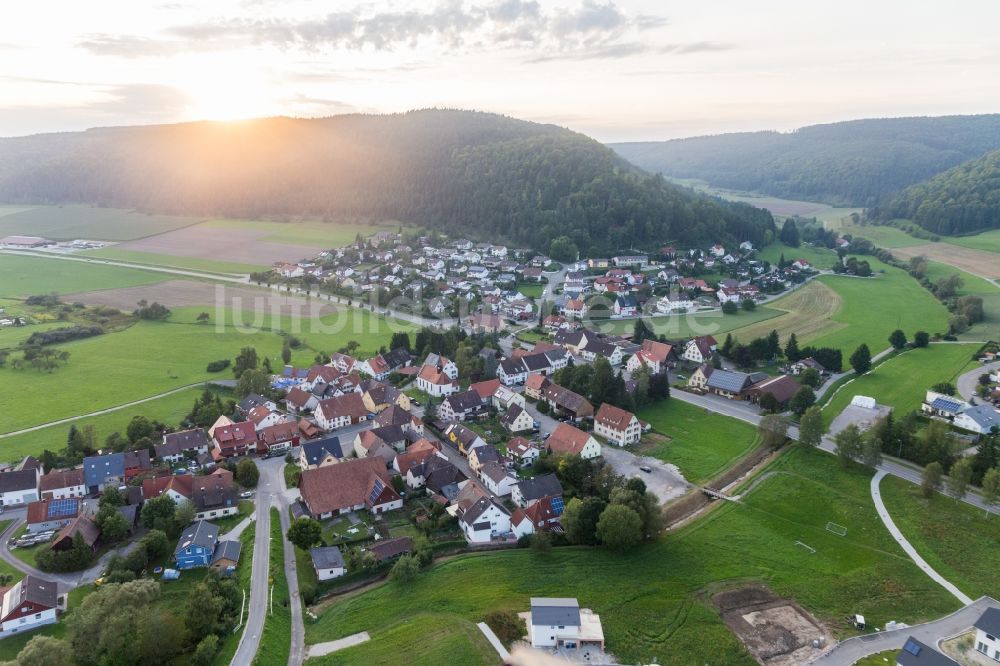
(59, 335)
(506, 625)
(218, 366)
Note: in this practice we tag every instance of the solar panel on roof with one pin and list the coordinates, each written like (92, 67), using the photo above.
(62, 508)
(377, 489)
(912, 648)
(557, 505)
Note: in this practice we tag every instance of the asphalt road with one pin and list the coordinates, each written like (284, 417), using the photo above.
(296, 655)
(268, 485)
(967, 383)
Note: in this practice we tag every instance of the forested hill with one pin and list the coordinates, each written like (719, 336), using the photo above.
(470, 173)
(961, 200)
(856, 163)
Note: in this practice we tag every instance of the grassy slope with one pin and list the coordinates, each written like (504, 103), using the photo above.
(700, 444)
(152, 357)
(881, 235)
(958, 541)
(689, 325)
(974, 285)
(820, 257)
(903, 381)
(988, 241)
(651, 600)
(426, 639)
(153, 259)
(276, 641)
(806, 312)
(89, 222)
(873, 307)
(22, 276)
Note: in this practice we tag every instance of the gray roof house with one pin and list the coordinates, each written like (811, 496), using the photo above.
(726, 382)
(529, 491)
(915, 653)
(227, 550)
(551, 611)
(315, 451)
(327, 557)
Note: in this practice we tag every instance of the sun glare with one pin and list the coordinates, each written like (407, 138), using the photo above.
(227, 96)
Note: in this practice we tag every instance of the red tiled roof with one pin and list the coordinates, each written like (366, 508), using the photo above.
(567, 439)
(486, 389)
(349, 404)
(613, 417)
(341, 486)
(237, 434)
(658, 351)
(56, 480)
(431, 374)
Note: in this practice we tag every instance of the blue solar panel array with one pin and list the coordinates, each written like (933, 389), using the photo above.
(557, 505)
(376, 491)
(912, 648)
(63, 508)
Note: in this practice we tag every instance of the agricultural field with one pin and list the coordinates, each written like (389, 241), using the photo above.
(115, 253)
(322, 235)
(777, 206)
(976, 261)
(882, 235)
(74, 222)
(152, 357)
(22, 276)
(808, 314)
(820, 257)
(871, 308)
(902, 381)
(945, 532)
(701, 444)
(988, 241)
(712, 322)
(664, 611)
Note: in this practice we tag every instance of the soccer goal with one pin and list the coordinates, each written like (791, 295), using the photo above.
(812, 551)
(839, 530)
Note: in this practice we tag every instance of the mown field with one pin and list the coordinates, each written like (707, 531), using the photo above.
(172, 261)
(701, 444)
(653, 601)
(988, 240)
(690, 324)
(22, 276)
(957, 540)
(882, 235)
(902, 381)
(88, 222)
(808, 314)
(322, 235)
(820, 257)
(152, 357)
(871, 308)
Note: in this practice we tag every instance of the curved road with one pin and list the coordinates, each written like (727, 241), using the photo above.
(966, 384)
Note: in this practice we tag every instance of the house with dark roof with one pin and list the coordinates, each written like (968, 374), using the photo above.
(328, 562)
(729, 384)
(558, 622)
(348, 486)
(567, 403)
(463, 437)
(516, 419)
(320, 452)
(19, 486)
(981, 419)
(484, 521)
(497, 478)
(988, 633)
(915, 653)
(541, 516)
(254, 400)
(177, 446)
(782, 388)
(699, 349)
(464, 406)
(196, 547)
(81, 525)
(227, 555)
(433, 472)
(113, 469)
(528, 491)
(390, 549)
(31, 603)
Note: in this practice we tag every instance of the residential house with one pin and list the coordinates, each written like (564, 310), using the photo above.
(988, 633)
(729, 384)
(375, 367)
(486, 389)
(399, 416)
(512, 371)
(328, 562)
(558, 623)
(435, 472)
(505, 398)
(298, 400)
(915, 653)
(464, 438)
(534, 386)
(384, 443)
(486, 323)
(62, 484)
(31, 603)
(196, 547)
(569, 440)
(114, 468)
(482, 455)
(435, 381)
(782, 388)
(497, 479)
(378, 396)
(674, 303)
(82, 525)
(624, 306)
(320, 453)
(539, 517)
(277, 440)
(575, 308)
(522, 452)
(413, 455)
(943, 406)
(343, 362)
(252, 400)
(462, 407)
(528, 491)
(657, 356)
(699, 349)
(238, 439)
(177, 446)
(484, 521)
(801, 365)
(348, 486)
(567, 403)
(617, 425)
(981, 419)
(517, 419)
(340, 411)
(226, 556)
(390, 549)
(52, 514)
(699, 378)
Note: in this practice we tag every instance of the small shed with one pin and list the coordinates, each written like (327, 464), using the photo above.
(864, 401)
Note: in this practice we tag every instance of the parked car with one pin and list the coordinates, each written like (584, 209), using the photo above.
(247, 495)
(646, 468)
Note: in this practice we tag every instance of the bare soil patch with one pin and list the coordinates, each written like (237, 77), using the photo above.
(978, 262)
(243, 246)
(185, 293)
(776, 631)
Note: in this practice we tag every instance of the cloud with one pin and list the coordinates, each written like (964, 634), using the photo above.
(695, 47)
(609, 52)
(453, 24)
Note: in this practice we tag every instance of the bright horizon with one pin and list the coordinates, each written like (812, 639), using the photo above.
(624, 70)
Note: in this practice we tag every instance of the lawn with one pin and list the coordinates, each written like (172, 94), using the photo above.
(653, 600)
(988, 241)
(701, 444)
(7, 569)
(27, 555)
(712, 322)
(172, 261)
(530, 289)
(887, 658)
(426, 639)
(152, 357)
(10, 646)
(276, 641)
(170, 409)
(902, 381)
(957, 540)
(89, 223)
(22, 276)
(871, 308)
(820, 257)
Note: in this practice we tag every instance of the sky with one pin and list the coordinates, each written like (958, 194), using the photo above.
(618, 70)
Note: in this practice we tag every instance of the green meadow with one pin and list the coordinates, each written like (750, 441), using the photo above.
(315, 234)
(989, 328)
(988, 241)
(74, 222)
(654, 601)
(687, 325)
(172, 261)
(820, 257)
(22, 276)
